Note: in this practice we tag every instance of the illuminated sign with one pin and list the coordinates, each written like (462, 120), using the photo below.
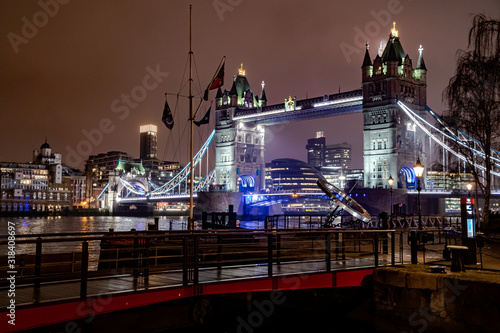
(467, 205)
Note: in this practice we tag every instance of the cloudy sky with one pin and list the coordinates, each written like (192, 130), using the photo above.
(86, 74)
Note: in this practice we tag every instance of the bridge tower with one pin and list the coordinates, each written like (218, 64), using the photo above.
(391, 142)
(239, 146)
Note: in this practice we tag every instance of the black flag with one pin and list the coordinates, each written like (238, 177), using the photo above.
(167, 117)
(203, 120)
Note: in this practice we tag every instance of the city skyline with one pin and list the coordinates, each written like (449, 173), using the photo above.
(66, 77)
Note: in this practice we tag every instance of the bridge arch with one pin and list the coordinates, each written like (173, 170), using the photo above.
(246, 183)
(408, 176)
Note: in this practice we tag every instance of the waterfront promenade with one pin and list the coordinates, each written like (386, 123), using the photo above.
(219, 263)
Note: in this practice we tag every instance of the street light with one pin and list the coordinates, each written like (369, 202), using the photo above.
(419, 171)
(390, 181)
(469, 187)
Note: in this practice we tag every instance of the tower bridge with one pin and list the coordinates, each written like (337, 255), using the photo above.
(292, 110)
(392, 142)
(392, 100)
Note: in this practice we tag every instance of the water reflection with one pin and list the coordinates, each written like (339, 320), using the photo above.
(69, 224)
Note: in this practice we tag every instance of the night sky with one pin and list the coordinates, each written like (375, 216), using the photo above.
(66, 77)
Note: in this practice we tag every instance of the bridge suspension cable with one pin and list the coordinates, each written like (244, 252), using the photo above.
(422, 123)
(184, 173)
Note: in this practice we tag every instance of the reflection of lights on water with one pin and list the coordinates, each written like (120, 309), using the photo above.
(25, 223)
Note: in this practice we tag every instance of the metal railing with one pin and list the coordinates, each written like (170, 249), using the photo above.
(304, 221)
(194, 257)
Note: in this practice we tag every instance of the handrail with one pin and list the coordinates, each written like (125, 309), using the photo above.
(191, 252)
(197, 233)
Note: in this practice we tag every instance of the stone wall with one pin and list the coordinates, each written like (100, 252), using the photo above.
(413, 298)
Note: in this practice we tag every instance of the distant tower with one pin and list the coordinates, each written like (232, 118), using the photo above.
(148, 135)
(392, 142)
(44, 155)
(239, 146)
(316, 150)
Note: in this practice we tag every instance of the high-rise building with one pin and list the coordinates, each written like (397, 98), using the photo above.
(148, 135)
(290, 175)
(97, 169)
(338, 155)
(316, 150)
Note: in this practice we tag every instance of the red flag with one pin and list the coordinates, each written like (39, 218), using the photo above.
(218, 80)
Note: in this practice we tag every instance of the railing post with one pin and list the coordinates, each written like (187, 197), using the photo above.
(278, 249)
(136, 257)
(196, 258)
(38, 268)
(145, 259)
(401, 247)
(185, 258)
(219, 252)
(413, 246)
(375, 241)
(270, 254)
(343, 246)
(393, 248)
(84, 270)
(336, 245)
(328, 252)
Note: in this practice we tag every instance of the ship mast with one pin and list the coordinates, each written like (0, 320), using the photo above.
(191, 182)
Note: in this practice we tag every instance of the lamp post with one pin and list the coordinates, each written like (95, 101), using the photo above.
(469, 187)
(419, 171)
(390, 181)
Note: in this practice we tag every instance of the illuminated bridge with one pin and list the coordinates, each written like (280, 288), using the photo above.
(396, 132)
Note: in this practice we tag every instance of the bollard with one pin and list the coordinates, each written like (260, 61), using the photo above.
(157, 223)
(446, 251)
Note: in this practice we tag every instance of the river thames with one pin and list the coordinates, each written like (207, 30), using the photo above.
(87, 224)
